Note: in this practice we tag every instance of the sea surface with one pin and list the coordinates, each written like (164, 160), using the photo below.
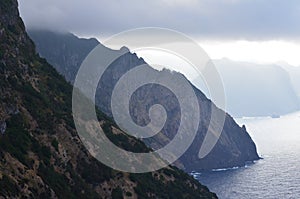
(276, 176)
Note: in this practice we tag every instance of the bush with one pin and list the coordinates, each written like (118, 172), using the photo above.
(8, 187)
(17, 140)
(117, 193)
(54, 143)
(129, 194)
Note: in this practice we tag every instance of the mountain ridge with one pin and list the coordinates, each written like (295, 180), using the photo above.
(41, 153)
(233, 140)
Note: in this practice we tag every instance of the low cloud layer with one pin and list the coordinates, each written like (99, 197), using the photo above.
(217, 19)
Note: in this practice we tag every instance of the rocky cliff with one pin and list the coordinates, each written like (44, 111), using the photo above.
(69, 50)
(235, 146)
(41, 153)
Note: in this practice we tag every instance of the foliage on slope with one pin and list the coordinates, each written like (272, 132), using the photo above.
(41, 154)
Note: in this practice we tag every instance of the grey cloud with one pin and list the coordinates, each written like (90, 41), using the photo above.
(228, 19)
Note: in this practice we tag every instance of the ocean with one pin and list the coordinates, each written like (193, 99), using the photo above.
(276, 176)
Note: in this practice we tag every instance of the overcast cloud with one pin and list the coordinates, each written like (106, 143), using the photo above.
(217, 19)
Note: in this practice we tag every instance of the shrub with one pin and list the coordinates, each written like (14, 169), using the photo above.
(117, 193)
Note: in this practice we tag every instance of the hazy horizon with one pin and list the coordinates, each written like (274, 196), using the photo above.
(252, 31)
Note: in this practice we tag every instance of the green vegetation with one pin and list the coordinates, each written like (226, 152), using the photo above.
(17, 140)
(117, 193)
(57, 182)
(128, 194)
(5, 4)
(88, 171)
(54, 143)
(8, 187)
(45, 122)
(179, 188)
(124, 140)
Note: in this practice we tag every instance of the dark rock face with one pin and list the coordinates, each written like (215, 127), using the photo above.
(234, 148)
(41, 153)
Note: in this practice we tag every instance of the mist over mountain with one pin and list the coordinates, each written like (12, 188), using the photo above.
(259, 90)
(234, 148)
(294, 73)
(69, 52)
(251, 89)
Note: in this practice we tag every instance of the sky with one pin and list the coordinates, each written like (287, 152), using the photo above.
(261, 31)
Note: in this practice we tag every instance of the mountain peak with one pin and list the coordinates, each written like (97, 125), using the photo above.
(124, 49)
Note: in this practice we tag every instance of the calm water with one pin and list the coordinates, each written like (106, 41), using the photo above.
(277, 175)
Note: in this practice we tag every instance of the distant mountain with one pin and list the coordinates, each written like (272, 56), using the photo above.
(259, 90)
(234, 147)
(294, 73)
(41, 153)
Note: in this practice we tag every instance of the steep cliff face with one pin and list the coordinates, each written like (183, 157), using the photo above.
(41, 154)
(234, 148)
(69, 50)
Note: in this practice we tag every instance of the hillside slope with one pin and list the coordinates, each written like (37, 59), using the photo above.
(41, 154)
(235, 146)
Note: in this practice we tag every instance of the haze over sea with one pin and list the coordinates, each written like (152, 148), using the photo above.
(277, 175)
